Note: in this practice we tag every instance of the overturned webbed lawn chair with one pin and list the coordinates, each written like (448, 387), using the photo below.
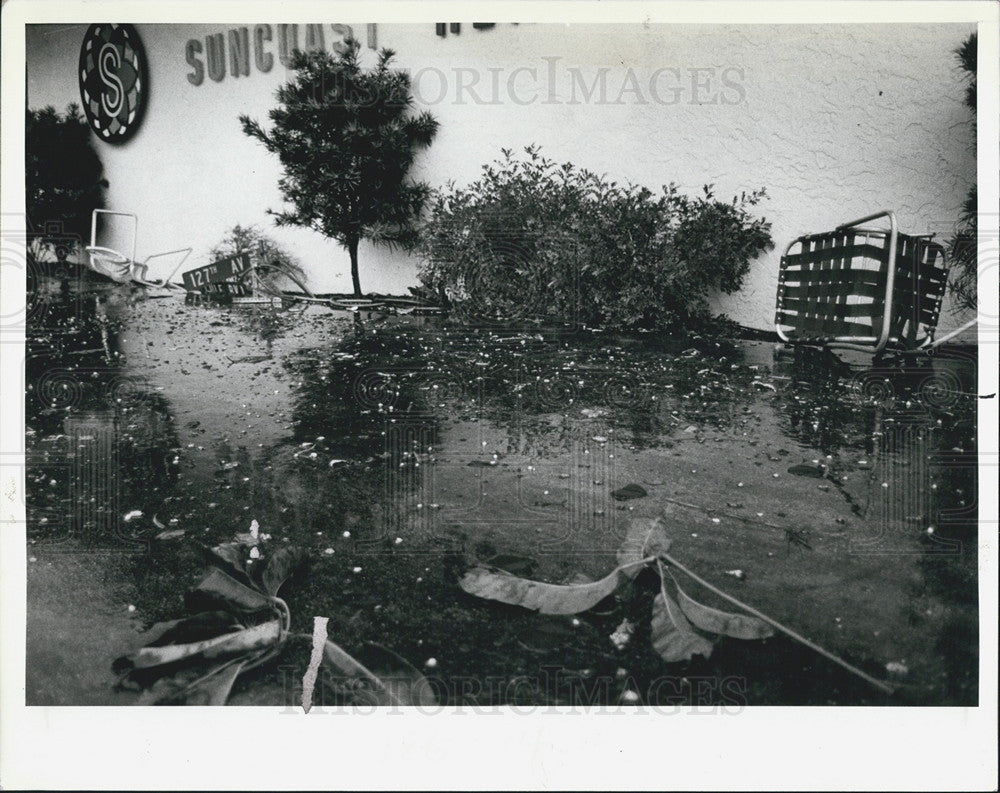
(124, 268)
(861, 288)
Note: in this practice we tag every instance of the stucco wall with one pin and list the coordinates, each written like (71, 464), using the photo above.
(835, 121)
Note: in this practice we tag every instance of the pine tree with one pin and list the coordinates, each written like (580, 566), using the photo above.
(63, 179)
(963, 247)
(346, 138)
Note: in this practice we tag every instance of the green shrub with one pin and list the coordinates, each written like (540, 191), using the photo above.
(554, 242)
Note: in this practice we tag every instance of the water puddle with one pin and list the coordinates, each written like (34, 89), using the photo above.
(398, 450)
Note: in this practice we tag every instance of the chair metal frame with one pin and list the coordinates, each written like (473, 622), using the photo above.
(123, 268)
(824, 286)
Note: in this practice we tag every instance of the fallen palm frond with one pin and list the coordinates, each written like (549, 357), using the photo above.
(497, 584)
(238, 622)
(679, 625)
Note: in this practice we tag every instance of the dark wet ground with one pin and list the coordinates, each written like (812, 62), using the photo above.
(398, 449)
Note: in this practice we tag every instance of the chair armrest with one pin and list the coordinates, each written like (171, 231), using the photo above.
(883, 214)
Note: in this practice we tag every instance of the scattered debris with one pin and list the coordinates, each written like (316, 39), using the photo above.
(249, 359)
(797, 537)
(622, 635)
(815, 471)
(630, 491)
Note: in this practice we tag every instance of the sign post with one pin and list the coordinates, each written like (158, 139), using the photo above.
(217, 272)
(226, 280)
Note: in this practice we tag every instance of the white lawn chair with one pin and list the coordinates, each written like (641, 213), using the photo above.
(861, 288)
(121, 268)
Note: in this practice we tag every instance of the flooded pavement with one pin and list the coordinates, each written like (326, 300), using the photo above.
(836, 497)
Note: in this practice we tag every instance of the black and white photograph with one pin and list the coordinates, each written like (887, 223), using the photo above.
(634, 360)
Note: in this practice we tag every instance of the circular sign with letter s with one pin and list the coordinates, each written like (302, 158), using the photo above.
(113, 80)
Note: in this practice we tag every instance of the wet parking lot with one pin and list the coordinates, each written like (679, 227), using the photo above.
(836, 495)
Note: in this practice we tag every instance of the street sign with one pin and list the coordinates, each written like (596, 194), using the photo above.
(216, 272)
(227, 288)
(258, 300)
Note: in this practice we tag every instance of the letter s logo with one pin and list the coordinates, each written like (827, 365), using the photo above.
(108, 62)
(113, 80)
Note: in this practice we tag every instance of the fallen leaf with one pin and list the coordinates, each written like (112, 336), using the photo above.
(187, 688)
(643, 538)
(219, 589)
(205, 625)
(628, 492)
(737, 626)
(672, 635)
(364, 686)
(230, 557)
(243, 641)
(279, 567)
(494, 584)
